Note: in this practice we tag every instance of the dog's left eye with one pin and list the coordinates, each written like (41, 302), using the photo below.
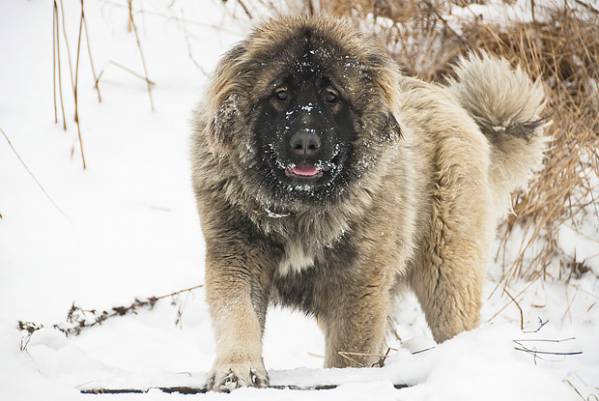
(331, 96)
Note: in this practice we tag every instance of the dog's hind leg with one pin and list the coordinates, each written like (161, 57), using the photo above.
(448, 270)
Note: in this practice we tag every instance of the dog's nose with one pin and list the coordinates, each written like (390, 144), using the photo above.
(304, 143)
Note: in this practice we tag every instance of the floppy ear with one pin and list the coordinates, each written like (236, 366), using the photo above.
(224, 98)
(221, 119)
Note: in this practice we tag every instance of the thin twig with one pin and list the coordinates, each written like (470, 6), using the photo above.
(188, 43)
(216, 27)
(245, 9)
(54, 63)
(545, 340)
(89, 53)
(76, 92)
(423, 350)
(575, 389)
(548, 352)
(381, 362)
(506, 305)
(587, 6)
(381, 357)
(141, 53)
(522, 347)
(57, 39)
(517, 306)
(541, 325)
(39, 184)
(66, 41)
(126, 69)
(347, 356)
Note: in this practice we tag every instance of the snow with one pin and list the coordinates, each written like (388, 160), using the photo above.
(130, 229)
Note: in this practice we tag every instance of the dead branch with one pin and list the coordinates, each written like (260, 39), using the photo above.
(79, 319)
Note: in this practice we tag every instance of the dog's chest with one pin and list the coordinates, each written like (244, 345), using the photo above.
(305, 277)
(298, 257)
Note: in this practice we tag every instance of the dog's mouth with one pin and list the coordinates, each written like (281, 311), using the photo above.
(304, 170)
(307, 175)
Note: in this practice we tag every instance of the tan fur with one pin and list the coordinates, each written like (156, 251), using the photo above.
(423, 213)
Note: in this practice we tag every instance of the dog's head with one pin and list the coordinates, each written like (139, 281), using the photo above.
(305, 107)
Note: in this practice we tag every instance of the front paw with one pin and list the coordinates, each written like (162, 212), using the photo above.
(229, 376)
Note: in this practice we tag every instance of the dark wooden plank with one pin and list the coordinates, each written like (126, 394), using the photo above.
(202, 390)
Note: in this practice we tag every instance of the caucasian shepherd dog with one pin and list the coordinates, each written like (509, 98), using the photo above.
(326, 181)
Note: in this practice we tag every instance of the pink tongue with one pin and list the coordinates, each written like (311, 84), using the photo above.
(306, 171)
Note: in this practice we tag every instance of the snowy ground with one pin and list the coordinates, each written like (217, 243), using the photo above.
(130, 229)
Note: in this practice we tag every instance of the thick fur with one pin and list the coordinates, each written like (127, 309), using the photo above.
(433, 167)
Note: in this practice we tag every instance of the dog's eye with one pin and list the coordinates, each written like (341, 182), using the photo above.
(331, 96)
(281, 93)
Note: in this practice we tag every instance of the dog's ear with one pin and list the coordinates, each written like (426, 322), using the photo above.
(221, 124)
(392, 127)
(224, 96)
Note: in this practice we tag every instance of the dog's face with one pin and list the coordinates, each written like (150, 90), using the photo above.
(308, 114)
(305, 131)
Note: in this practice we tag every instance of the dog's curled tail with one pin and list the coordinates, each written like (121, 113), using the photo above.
(506, 104)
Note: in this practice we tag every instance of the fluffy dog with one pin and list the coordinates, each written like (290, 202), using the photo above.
(326, 181)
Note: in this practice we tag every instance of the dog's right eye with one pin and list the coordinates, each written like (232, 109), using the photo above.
(281, 94)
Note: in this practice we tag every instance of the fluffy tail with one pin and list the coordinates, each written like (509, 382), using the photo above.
(507, 107)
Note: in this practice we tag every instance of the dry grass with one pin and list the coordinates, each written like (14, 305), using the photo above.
(557, 43)
(58, 23)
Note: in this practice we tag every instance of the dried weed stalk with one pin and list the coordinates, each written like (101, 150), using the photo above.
(58, 24)
(56, 65)
(133, 27)
(79, 319)
(76, 88)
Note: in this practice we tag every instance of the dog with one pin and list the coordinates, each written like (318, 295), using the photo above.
(326, 181)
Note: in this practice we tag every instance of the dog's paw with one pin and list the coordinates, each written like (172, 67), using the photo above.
(225, 377)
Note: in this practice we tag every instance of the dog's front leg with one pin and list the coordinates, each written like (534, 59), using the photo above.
(238, 278)
(355, 325)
